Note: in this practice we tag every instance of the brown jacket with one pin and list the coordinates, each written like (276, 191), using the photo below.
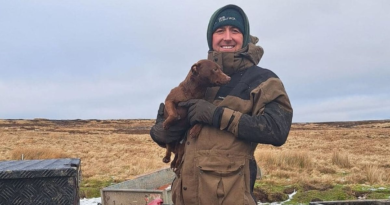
(216, 167)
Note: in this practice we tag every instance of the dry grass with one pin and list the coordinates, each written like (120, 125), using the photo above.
(285, 159)
(109, 150)
(315, 153)
(341, 159)
(373, 174)
(321, 153)
(37, 153)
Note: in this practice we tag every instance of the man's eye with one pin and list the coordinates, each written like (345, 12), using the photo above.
(236, 31)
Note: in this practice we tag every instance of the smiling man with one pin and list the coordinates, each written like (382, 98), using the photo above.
(227, 31)
(227, 39)
(219, 166)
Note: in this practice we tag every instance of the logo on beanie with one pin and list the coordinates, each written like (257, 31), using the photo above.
(224, 18)
(229, 17)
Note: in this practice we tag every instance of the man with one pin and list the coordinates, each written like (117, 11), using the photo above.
(219, 167)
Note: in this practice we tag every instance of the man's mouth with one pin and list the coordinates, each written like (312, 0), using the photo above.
(227, 47)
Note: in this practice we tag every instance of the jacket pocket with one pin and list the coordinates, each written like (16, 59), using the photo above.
(221, 179)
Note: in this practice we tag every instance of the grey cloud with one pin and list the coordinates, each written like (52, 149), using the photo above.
(119, 59)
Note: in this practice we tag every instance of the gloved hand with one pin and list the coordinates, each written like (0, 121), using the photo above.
(162, 136)
(160, 113)
(199, 111)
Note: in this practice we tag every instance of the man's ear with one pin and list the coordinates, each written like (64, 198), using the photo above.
(194, 69)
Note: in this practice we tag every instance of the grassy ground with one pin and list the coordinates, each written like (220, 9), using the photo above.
(305, 193)
(323, 161)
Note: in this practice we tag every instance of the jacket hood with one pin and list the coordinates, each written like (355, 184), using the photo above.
(213, 18)
(232, 62)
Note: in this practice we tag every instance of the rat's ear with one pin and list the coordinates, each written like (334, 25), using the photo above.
(194, 69)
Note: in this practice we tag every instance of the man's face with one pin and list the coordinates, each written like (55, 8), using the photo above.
(227, 39)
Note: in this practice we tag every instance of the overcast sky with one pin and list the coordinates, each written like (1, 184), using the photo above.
(118, 59)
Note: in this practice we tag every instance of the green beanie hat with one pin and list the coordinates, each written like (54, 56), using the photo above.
(229, 17)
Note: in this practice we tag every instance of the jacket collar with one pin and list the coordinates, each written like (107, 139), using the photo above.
(232, 62)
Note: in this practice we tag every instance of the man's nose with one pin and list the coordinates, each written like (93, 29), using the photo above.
(228, 36)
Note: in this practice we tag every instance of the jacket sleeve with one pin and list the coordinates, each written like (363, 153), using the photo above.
(270, 120)
(270, 128)
(162, 136)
